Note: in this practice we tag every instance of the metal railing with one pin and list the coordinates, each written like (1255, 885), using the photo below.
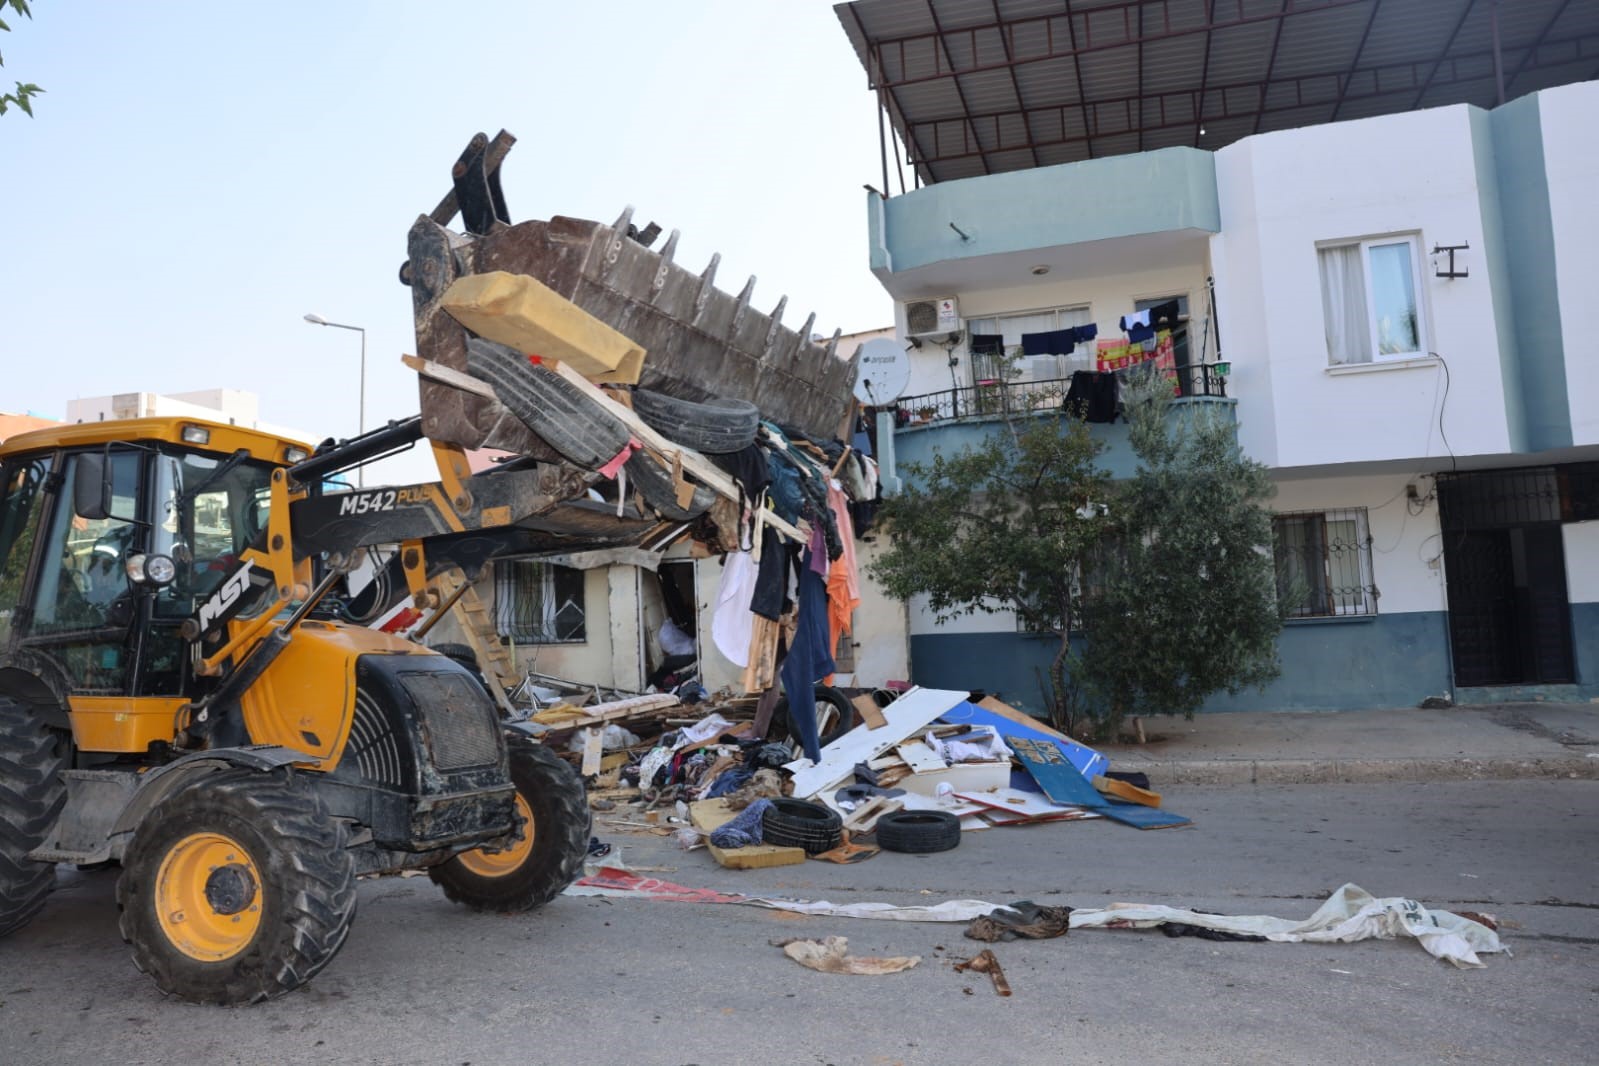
(1024, 397)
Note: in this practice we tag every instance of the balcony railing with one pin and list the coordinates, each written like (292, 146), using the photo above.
(1025, 397)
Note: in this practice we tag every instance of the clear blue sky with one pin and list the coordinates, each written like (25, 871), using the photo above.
(199, 175)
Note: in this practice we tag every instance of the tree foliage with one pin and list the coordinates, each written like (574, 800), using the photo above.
(1185, 603)
(24, 93)
(1168, 575)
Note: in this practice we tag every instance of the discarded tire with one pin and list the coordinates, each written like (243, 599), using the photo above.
(548, 404)
(716, 426)
(792, 823)
(918, 832)
(655, 484)
(835, 716)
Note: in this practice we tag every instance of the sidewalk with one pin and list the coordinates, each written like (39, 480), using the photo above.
(1512, 740)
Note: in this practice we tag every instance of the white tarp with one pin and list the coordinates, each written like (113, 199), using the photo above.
(1351, 913)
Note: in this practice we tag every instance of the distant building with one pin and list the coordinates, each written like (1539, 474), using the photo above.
(233, 406)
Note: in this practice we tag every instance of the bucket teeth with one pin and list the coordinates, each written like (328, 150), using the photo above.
(613, 250)
(832, 344)
(743, 305)
(771, 331)
(666, 253)
(707, 286)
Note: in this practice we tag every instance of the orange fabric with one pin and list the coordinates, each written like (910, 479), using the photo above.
(843, 581)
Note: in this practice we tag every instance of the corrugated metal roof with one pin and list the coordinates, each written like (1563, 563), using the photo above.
(984, 86)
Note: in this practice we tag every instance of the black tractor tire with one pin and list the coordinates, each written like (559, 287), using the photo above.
(716, 427)
(655, 484)
(549, 855)
(32, 793)
(258, 847)
(563, 417)
(918, 832)
(792, 823)
(827, 699)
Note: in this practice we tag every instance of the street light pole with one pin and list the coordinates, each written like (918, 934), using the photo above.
(318, 320)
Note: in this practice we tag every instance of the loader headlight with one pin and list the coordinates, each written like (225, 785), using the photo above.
(157, 570)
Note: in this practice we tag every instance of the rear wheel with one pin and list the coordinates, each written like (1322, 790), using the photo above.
(31, 795)
(546, 856)
(237, 889)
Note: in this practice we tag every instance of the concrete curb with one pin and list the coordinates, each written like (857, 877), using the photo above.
(1354, 771)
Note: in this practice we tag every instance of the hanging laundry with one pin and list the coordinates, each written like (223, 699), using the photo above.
(987, 344)
(771, 579)
(1093, 397)
(1164, 314)
(843, 581)
(1088, 331)
(1053, 342)
(1137, 318)
(1139, 334)
(809, 660)
(733, 621)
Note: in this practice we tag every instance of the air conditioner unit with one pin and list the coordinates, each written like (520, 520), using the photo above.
(930, 318)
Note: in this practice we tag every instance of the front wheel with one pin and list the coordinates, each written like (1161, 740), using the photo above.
(31, 795)
(547, 854)
(237, 888)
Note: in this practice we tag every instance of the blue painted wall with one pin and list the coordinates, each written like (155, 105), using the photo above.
(1388, 660)
(1393, 660)
(1096, 199)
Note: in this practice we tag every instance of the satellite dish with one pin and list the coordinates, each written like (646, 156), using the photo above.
(884, 371)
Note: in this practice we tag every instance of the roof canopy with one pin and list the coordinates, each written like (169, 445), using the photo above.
(984, 86)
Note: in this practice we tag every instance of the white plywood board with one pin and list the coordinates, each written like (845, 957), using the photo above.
(904, 718)
(919, 757)
(966, 777)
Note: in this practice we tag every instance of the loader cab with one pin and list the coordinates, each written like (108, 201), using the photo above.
(108, 545)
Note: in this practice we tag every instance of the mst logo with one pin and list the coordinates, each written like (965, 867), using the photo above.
(226, 597)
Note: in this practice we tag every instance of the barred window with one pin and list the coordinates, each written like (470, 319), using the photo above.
(538, 603)
(1324, 563)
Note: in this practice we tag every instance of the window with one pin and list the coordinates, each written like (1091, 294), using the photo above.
(1371, 300)
(1031, 367)
(1324, 564)
(538, 603)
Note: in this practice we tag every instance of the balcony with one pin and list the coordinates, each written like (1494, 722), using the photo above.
(950, 419)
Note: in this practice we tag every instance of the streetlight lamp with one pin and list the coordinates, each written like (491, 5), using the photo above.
(318, 320)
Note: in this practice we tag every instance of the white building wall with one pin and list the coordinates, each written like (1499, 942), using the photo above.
(1571, 162)
(1281, 194)
(1406, 549)
(232, 406)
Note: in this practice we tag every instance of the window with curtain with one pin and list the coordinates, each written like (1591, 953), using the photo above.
(538, 603)
(1032, 367)
(1370, 300)
(1324, 563)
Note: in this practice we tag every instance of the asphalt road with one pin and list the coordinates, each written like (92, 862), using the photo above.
(599, 981)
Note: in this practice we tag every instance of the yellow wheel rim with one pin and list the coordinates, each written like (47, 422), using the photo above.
(208, 897)
(507, 860)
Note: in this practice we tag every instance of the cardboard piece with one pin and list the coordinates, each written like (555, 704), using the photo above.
(707, 815)
(869, 711)
(593, 750)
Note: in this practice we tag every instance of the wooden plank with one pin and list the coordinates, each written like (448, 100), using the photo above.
(1110, 786)
(710, 474)
(707, 815)
(593, 749)
(905, 716)
(605, 712)
(448, 376)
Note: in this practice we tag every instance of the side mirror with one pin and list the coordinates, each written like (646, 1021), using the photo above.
(91, 487)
